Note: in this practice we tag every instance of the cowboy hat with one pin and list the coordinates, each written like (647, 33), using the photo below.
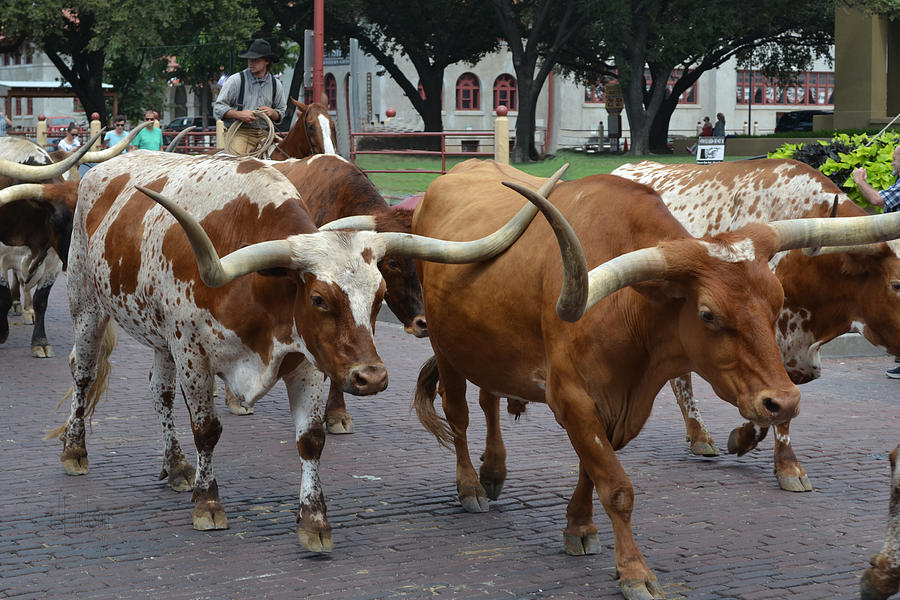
(259, 48)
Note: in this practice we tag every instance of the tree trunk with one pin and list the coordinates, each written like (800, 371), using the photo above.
(659, 127)
(524, 150)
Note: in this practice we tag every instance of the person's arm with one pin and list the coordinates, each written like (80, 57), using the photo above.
(228, 95)
(867, 191)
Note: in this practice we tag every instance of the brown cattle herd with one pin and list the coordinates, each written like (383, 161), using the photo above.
(259, 271)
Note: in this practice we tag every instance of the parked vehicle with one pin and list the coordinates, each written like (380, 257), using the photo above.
(177, 124)
(56, 126)
(798, 120)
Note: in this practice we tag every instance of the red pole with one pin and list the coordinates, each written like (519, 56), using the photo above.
(318, 49)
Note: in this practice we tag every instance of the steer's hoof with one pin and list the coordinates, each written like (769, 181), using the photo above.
(75, 465)
(793, 483)
(234, 406)
(738, 446)
(28, 316)
(474, 500)
(209, 515)
(701, 448)
(641, 590)
(16, 309)
(181, 477)
(340, 422)
(74, 460)
(580, 545)
(42, 351)
(315, 541)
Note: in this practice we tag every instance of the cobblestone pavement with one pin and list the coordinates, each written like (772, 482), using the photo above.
(709, 528)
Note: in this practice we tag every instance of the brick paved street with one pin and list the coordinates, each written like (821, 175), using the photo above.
(709, 528)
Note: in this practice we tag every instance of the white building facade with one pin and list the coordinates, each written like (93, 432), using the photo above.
(567, 113)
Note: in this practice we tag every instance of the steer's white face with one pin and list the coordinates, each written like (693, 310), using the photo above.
(349, 262)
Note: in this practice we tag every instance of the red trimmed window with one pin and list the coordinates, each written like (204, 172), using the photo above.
(505, 92)
(467, 92)
(812, 88)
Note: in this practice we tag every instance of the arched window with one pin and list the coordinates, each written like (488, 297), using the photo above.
(331, 91)
(467, 89)
(505, 92)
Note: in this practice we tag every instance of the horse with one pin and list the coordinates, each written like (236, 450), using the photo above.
(312, 133)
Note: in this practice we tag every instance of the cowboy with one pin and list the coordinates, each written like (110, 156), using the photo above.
(253, 89)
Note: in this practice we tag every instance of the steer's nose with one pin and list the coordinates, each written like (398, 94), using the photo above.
(778, 406)
(364, 380)
(418, 326)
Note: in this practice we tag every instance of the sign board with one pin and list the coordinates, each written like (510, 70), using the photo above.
(710, 149)
(615, 101)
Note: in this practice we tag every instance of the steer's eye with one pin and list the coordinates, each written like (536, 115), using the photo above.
(707, 316)
(318, 301)
(895, 285)
(393, 265)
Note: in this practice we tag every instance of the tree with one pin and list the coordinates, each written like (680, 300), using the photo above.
(644, 44)
(432, 34)
(535, 30)
(79, 35)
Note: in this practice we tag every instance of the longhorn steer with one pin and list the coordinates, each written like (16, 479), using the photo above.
(35, 226)
(293, 303)
(334, 188)
(824, 296)
(882, 579)
(666, 303)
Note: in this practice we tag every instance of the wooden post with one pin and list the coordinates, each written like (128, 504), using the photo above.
(94, 130)
(220, 135)
(42, 131)
(501, 136)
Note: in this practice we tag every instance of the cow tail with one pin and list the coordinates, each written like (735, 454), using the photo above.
(101, 381)
(426, 390)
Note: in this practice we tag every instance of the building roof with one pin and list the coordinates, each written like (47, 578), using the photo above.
(33, 86)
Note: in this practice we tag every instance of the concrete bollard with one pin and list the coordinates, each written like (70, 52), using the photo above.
(501, 136)
(94, 130)
(42, 131)
(220, 135)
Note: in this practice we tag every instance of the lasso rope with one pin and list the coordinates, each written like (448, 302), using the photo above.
(262, 147)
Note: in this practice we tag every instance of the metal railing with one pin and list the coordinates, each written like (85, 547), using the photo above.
(462, 136)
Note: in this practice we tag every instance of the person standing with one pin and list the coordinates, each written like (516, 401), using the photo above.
(889, 200)
(117, 134)
(5, 123)
(719, 128)
(254, 88)
(70, 142)
(150, 137)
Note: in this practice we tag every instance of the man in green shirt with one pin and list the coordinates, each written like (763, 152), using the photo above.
(150, 137)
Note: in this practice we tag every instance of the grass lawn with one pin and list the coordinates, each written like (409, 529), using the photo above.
(395, 186)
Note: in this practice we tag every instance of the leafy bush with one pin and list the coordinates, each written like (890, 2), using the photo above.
(838, 158)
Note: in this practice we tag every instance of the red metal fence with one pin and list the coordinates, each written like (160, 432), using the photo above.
(465, 143)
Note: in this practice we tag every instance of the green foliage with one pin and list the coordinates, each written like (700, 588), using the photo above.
(838, 157)
(126, 43)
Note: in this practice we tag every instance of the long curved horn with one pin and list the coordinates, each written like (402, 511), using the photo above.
(837, 231)
(570, 305)
(42, 172)
(214, 271)
(102, 155)
(355, 222)
(22, 191)
(442, 251)
(174, 143)
(621, 271)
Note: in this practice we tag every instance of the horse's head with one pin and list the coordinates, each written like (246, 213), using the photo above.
(312, 133)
